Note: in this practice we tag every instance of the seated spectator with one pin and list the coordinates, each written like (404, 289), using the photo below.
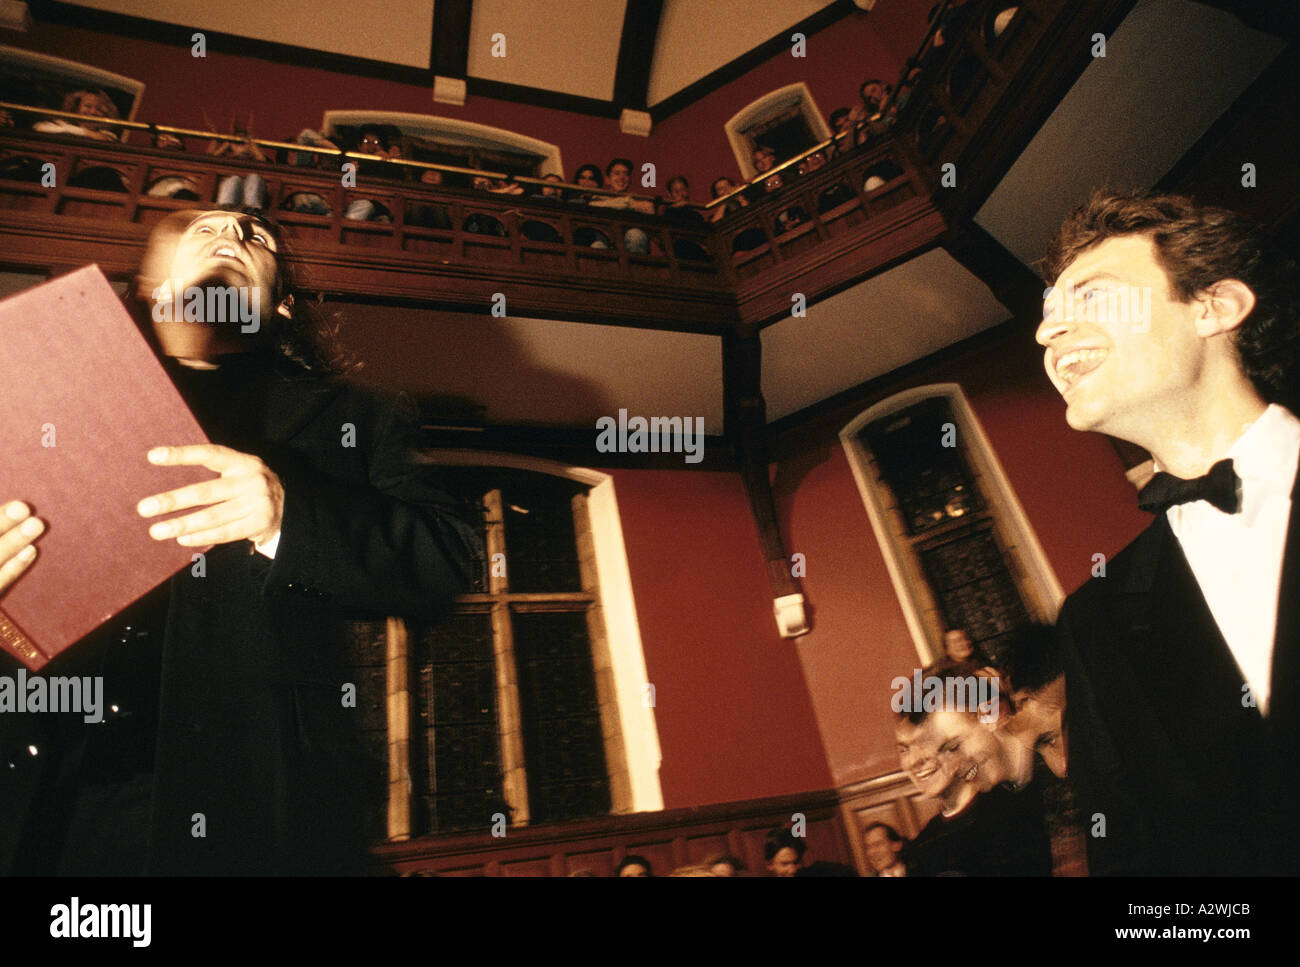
(249, 190)
(783, 852)
(884, 850)
(750, 238)
(93, 103)
(553, 193)
(633, 865)
(589, 176)
(677, 207)
(429, 216)
(764, 161)
(314, 139)
(99, 178)
(872, 94)
(722, 864)
(372, 140)
(618, 177)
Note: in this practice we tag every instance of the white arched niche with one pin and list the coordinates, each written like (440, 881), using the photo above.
(1033, 574)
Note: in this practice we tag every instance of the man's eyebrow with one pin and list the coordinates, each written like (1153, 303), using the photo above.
(1094, 277)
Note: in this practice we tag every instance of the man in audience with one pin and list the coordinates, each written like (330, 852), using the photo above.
(1173, 326)
(884, 850)
(90, 103)
(988, 825)
(618, 177)
(783, 852)
(764, 161)
(634, 865)
(722, 864)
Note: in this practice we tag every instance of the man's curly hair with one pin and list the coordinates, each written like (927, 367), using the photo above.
(1196, 246)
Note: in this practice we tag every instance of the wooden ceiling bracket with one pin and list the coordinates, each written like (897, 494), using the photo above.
(745, 414)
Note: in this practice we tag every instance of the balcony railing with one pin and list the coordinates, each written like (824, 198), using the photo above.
(834, 224)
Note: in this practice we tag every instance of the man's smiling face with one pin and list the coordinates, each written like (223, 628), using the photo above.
(930, 767)
(1118, 346)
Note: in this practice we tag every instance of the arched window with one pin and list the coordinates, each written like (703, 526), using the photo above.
(959, 548)
(786, 120)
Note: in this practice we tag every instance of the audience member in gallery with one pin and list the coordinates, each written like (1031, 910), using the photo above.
(618, 177)
(633, 865)
(783, 852)
(247, 190)
(723, 864)
(589, 176)
(92, 103)
(764, 161)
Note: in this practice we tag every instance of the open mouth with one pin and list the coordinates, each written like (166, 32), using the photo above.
(1077, 363)
(225, 250)
(970, 774)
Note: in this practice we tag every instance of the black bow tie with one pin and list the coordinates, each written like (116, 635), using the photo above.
(1220, 487)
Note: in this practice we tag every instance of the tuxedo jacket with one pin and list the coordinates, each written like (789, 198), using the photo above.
(258, 766)
(1176, 770)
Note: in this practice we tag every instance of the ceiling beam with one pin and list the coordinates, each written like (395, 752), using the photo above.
(449, 48)
(636, 49)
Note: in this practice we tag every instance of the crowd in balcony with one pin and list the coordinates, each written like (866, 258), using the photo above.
(609, 187)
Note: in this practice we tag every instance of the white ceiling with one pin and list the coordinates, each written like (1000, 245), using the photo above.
(696, 37)
(1170, 70)
(536, 371)
(397, 31)
(569, 46)
(873, 328)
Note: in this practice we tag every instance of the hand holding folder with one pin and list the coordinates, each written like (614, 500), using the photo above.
(85, 400)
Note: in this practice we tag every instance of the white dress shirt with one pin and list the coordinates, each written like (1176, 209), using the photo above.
(1237, 558)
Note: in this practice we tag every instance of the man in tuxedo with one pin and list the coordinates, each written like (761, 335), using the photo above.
(1171, 325)
(234, 748)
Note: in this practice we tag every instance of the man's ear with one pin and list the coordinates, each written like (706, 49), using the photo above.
(1224, 306)
(285, 308)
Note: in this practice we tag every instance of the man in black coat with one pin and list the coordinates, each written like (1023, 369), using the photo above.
(1172, 326)
(318, 511)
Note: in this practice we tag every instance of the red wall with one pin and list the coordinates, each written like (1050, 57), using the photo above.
(734, 715)
(1070, 484)
(838, 59)
(285, 98)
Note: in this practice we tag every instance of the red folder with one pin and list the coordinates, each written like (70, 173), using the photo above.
(84, 399)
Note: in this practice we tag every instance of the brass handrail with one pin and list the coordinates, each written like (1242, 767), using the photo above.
(153, 128)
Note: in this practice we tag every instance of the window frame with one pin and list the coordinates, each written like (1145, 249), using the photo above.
(628, 724)
(1033, 574)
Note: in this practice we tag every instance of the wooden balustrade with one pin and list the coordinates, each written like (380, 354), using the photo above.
(670, 839)
(974, 103)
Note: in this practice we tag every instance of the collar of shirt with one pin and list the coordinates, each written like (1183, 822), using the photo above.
(1264, 457)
